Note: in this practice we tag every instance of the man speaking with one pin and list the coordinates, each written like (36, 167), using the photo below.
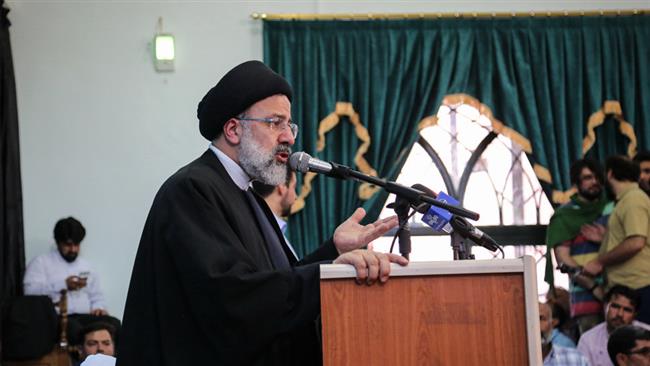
(213, 280)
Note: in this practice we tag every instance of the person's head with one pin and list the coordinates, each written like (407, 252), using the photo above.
(545, 322)
(587, 176)
(247, 115)
(621, 169)
(621, 303)
(629, 346)
(282, 196)
(559, 315)
(98, 337)
(68, 234)
(560, 296)
(643, 158)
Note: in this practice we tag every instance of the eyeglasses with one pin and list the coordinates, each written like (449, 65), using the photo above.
(276, 123)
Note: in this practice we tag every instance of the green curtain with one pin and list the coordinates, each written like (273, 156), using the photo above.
(541, 77)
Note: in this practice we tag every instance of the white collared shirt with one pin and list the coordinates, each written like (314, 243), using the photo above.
(593, 343)
(46, 274)
(283, 227)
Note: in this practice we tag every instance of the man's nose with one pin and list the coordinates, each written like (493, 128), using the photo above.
(286, 137)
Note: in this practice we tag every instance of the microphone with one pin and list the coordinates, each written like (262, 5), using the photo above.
(302, 162)
(436, 217)
(469, 231)
(440, 220)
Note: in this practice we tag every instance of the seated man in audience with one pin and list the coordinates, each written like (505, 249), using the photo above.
(559, 296)
(621, 304)
(97, 338)
(61, 269)
(552, 354)
(558, 338)
(280, 198)
(629, 346)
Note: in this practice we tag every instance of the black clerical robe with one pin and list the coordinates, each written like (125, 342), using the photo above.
(203, 289)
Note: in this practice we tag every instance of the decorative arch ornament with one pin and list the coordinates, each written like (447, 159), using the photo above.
(341, 109)
(499, 127)
(610, 107)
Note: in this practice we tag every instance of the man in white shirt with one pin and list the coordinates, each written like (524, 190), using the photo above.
(280, 198)
(60, 269)
(621, 304)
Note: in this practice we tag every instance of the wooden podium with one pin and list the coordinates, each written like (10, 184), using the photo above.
(475, 312)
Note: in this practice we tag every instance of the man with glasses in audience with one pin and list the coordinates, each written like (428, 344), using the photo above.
(621, 304)
(629, 346)
(213, 280)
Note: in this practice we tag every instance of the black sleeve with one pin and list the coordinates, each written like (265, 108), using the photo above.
(227, 292)
(326, 252)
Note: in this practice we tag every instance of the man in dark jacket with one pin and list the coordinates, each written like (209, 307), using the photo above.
(213, 280)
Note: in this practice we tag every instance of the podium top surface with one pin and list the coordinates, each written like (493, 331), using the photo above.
(333, 271)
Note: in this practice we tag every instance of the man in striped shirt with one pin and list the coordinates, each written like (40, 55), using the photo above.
(573, 234)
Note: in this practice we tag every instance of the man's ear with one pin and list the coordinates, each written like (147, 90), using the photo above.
(232, 131)
(555, 322)
(621, 359)
(281, 190)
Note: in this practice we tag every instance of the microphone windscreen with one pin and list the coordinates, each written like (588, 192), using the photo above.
(439, 218)
(299, 161)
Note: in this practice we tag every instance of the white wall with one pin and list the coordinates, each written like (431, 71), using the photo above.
(100, 130)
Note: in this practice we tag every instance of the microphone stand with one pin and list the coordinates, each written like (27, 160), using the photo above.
(402, 207)
(411, 195)
(459, 247)
(405, 197)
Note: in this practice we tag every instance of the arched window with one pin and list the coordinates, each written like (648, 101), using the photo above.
(487, 172)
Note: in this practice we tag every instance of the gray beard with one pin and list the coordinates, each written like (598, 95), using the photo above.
(258, 164)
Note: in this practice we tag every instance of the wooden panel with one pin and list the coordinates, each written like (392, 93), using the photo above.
(429, 320)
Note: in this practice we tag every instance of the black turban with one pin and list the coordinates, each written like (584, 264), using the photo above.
(240, 88)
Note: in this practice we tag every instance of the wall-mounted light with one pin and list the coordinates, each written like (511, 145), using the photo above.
(164, 50)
